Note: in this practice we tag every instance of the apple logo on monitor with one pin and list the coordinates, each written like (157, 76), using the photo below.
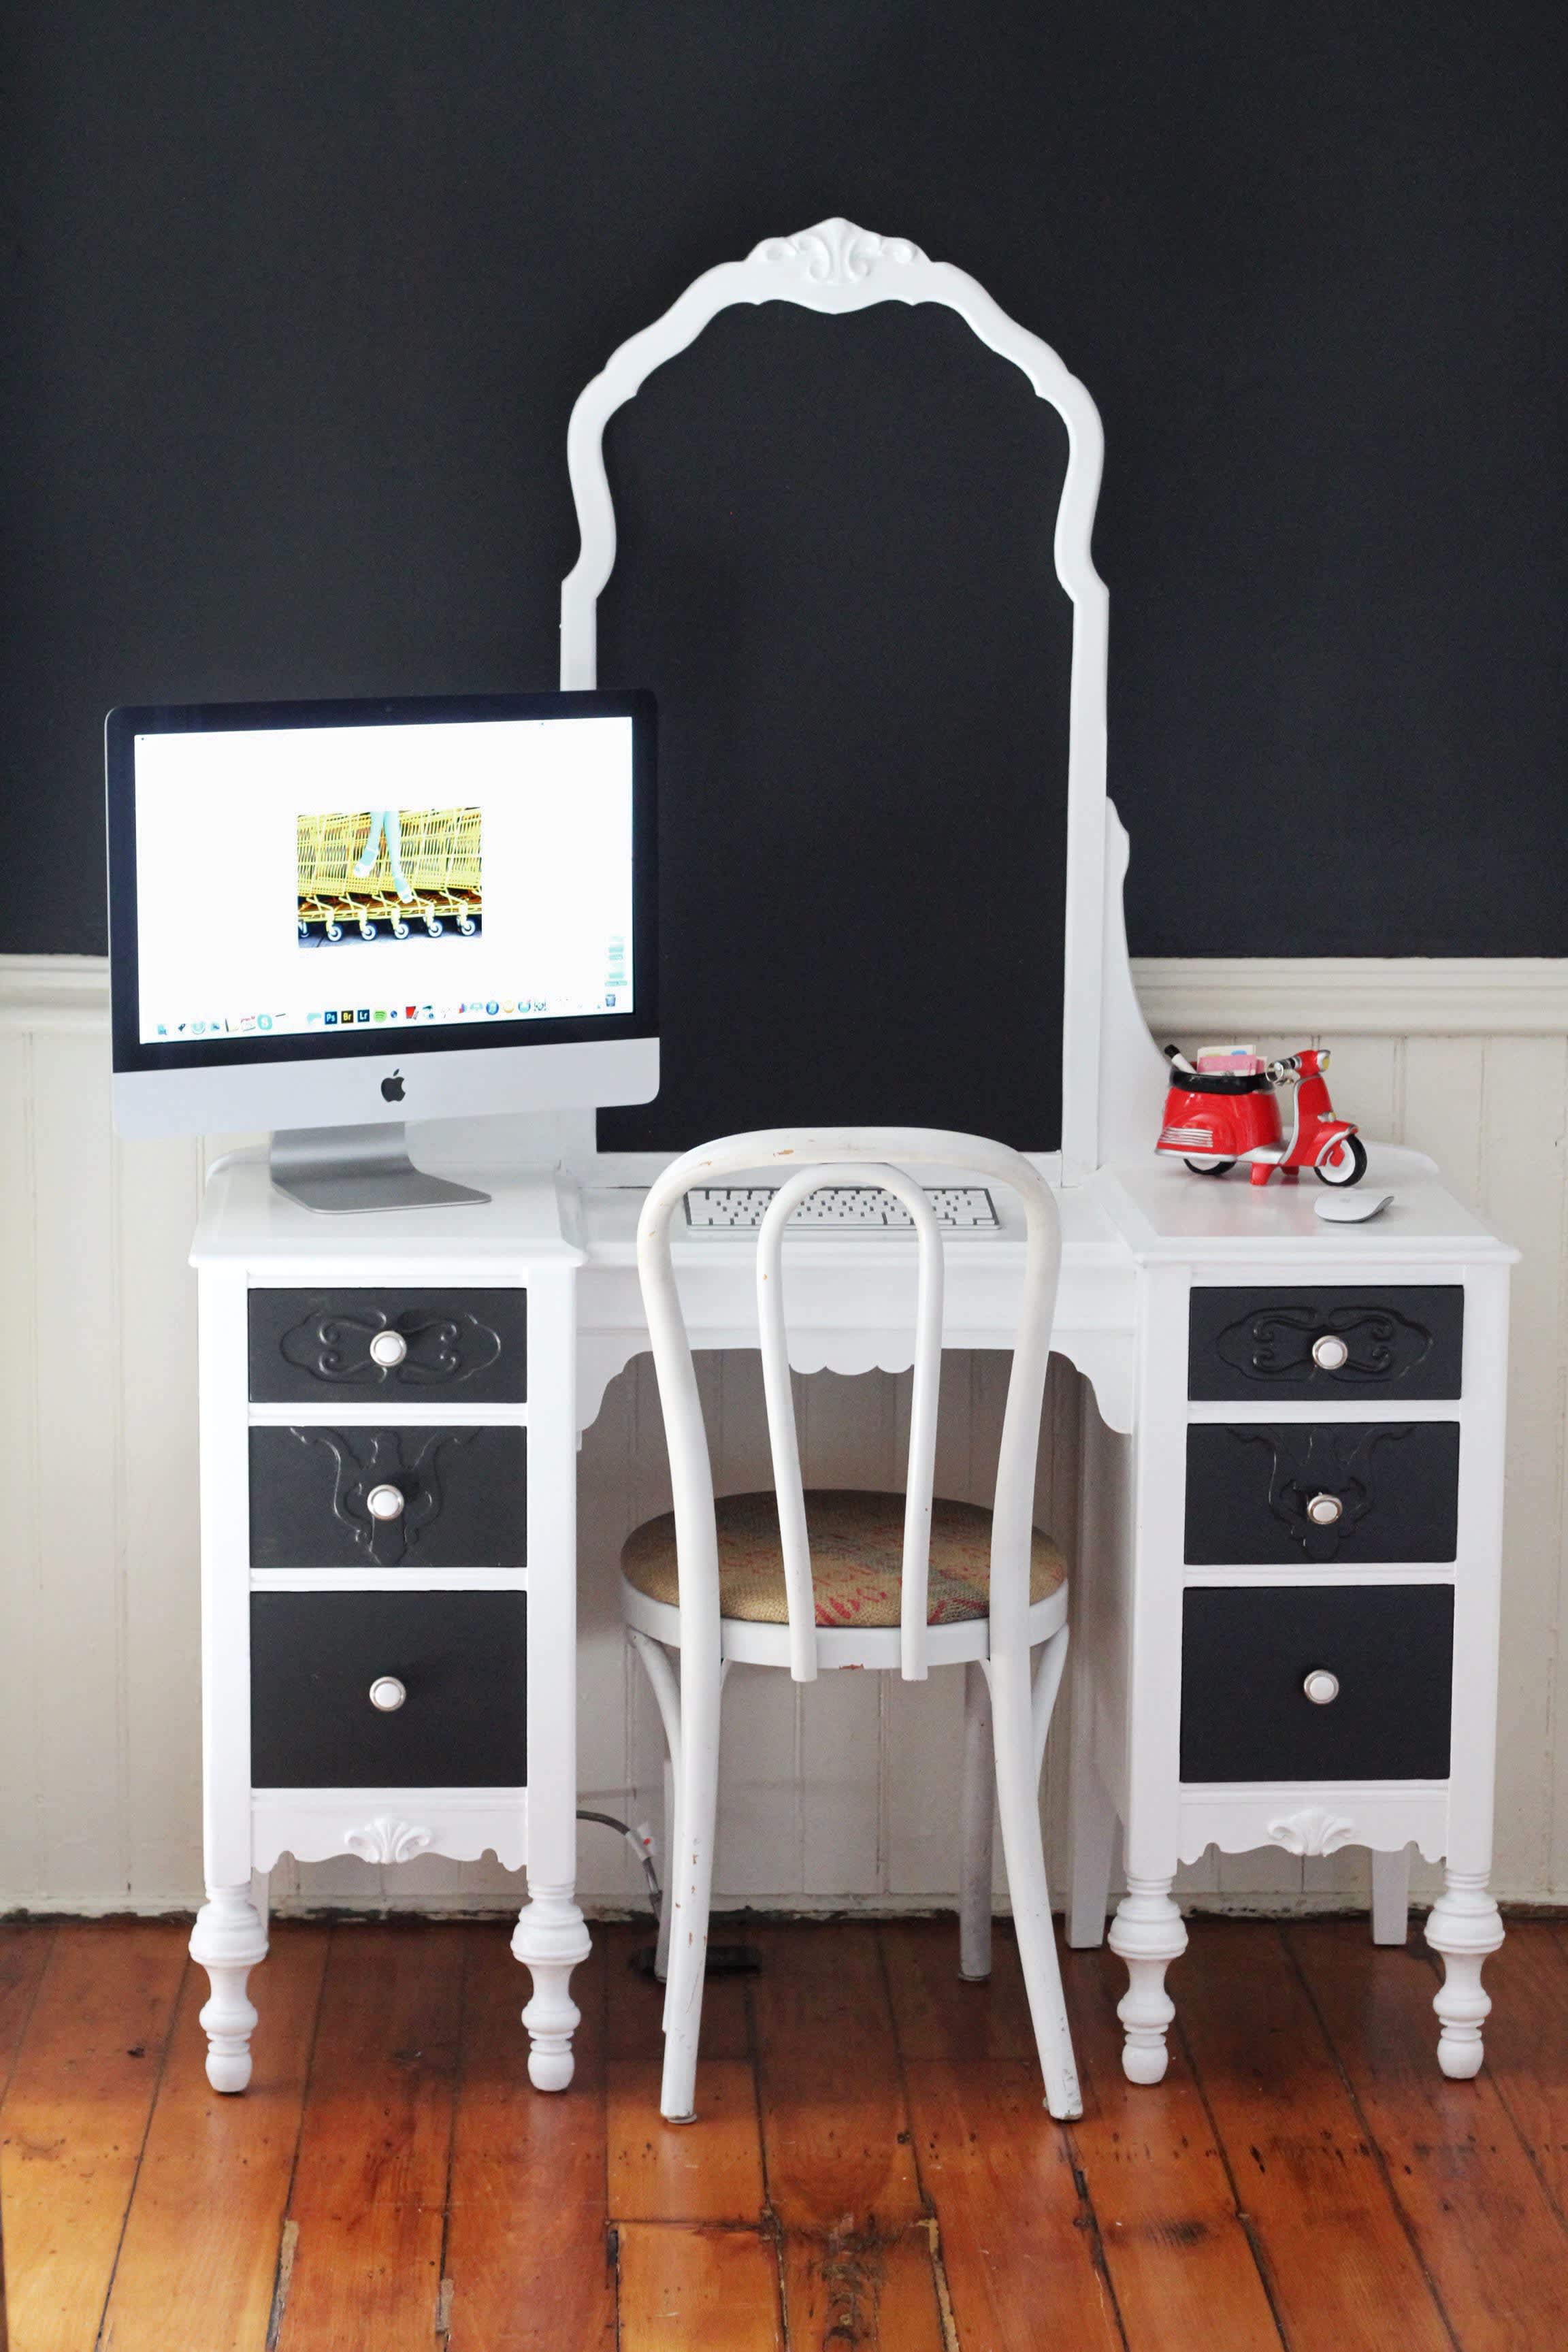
(392, 1087)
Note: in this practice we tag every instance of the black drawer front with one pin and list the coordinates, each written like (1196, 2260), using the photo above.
(461, 1657)
(465, 1497)
(471, 1345)
(1251, 1487)
(1258, 1343)
(1246, 1657)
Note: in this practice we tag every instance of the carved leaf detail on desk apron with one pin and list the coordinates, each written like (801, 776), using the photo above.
(392, 1458)
(1312, 1832)
(386, 1840)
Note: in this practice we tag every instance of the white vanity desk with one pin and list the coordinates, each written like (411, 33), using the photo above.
(1287, 1540)
(1204, 1600)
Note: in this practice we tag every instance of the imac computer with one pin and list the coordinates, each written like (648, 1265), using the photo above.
(327, 916)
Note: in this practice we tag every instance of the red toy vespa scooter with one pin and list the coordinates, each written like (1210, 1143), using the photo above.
(1212, 1118)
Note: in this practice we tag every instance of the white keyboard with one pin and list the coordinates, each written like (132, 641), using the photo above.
(740, 1208)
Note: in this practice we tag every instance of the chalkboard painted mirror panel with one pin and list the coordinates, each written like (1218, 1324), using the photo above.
(858, 577)
(860, 651)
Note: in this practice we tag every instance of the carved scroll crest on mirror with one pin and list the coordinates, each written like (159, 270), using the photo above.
(1112, 1078)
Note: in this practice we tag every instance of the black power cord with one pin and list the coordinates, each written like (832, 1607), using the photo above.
(723, 1959)
(641, 1843)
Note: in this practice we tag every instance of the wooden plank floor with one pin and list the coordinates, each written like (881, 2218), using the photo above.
(871, 2165)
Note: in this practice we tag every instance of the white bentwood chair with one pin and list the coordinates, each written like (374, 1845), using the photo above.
(835, 1579)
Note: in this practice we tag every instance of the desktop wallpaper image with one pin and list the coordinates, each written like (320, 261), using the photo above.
(371, 875)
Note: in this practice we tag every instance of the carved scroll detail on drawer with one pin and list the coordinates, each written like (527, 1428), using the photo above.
(1327, 1340)
(370, 1341)
(1265, 1493)
(1315, 1461)
(441, 1348)
(402, 1460)
(1279, 1344)
(400, 1496)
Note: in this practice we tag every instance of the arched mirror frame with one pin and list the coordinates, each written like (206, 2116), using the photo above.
(1112, 1074)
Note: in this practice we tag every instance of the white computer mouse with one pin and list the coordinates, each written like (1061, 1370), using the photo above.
(1351, 1208)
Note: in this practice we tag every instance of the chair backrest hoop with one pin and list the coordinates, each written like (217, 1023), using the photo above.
(809, 1159)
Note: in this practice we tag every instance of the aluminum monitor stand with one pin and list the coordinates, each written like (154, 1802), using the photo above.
(344, 1170)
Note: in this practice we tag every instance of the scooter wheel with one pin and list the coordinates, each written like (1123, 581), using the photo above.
(1211, 1167)
(1345, 1164)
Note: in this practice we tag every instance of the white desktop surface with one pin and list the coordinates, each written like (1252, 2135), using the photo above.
(1168, 1214)
(244, 1218)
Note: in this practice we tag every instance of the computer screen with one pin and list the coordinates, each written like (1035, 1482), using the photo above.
(317, 881)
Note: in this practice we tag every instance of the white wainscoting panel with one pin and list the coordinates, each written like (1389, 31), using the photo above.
(837, 1794)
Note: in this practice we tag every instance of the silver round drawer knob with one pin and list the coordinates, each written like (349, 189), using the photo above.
(1320, 1686)
(1323, 1510)
(389, 1348)
(386, 1502)
(1329, 1352)
(387, 1693)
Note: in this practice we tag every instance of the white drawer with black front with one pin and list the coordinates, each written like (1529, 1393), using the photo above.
(1332, 1683)
(391, 1690)
(1287, 1494)
(391, 1346)
(397, 1496)
(1334, 1344)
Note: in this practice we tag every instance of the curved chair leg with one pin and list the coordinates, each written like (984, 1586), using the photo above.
(662, 1681)
(661, 1944)
(1043, 1694)
(978, 1811)
(691, 1893)
(1092, 1848)
(1391, 1896)
(666, 1692)
(1013, 1732)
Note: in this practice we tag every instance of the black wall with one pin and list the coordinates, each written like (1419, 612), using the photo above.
(299, 298)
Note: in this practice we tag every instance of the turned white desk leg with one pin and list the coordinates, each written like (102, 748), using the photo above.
(1391, 1896)
(1148, 1934)
(550, 1939)
(228, 1939)
(978, 1809)
(1465, 1924)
